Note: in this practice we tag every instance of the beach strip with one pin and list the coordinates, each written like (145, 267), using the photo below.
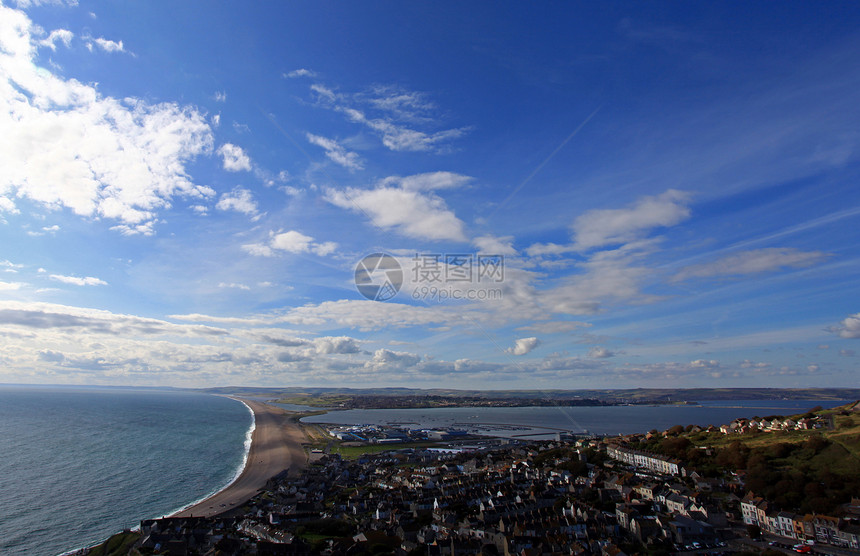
(276, 445)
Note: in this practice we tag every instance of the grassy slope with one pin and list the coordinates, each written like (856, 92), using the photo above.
(119, 544)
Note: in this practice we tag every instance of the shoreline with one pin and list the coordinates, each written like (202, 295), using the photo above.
(276, 446)
(239, 470)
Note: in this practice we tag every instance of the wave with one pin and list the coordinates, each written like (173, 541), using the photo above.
(239, 470)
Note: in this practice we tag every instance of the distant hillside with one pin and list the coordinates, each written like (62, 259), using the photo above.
(638, 395)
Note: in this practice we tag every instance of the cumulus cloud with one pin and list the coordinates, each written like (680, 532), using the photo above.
(523, 346)
(412, 213)
(387, 360)
(600, 352)
(336, 153)
(235, 159)
(336, 344)
(756, 261)
(704, 364)
(65, 145)
(240, 200)
(599, 228)
(78, 281)
(849, 327)
(290, 242)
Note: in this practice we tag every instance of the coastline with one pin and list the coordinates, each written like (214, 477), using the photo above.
(276, 446)
(239, 470)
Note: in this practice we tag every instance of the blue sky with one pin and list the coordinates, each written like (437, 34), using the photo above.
(671, 190)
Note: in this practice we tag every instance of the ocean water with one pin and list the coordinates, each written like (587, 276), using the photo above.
(544, 422)
(79, 464)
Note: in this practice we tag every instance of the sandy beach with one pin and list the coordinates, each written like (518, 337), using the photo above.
(276, 445)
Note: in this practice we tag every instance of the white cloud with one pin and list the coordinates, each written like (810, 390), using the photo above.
(302, 72)
(11, 286)
(58, 35)
(539, 249)
(28, 3)
(598, 228)
(492, 245)
(598, 352)
(401, 138)
(258, 249)
(385, 360)
(45, 230)
(291, 242)
(704, 364)
(336, 344)
(220, 96)
(523, 346)
(104, 44)
(849, 327)
(428, 181)
(6, 205)
(78, 281)
(413, 214)
(234, 285)
(607, 276)
(65, 145)
(747, 364)
(235, 159)
(554, 327)
(324, 92)
(755, 261)
(401, 103)
(240, 200)
(392, 104)
(336, 153)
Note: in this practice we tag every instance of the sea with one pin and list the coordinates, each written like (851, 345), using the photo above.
(535, 423)
(80, 464)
